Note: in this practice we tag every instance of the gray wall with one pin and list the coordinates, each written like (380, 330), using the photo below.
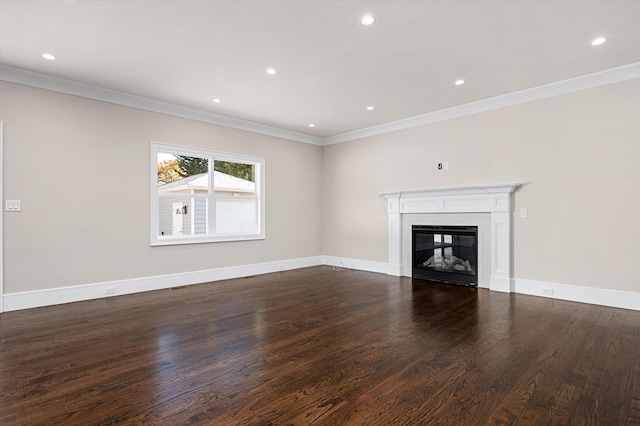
(576, 155)
(81, 169)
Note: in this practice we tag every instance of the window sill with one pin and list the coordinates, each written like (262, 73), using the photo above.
(171, 241)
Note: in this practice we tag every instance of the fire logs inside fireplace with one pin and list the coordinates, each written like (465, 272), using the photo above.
(447, 264)
(446, 253)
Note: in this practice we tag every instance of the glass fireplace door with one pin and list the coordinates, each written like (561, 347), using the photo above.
(446, 253)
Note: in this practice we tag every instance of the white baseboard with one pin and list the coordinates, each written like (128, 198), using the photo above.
(594, 296)
(359, 264)
(56, 296)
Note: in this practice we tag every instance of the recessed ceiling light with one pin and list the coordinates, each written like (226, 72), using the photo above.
(369, 108)
(49, 56)
(216, 100)
(271, 71)
(312, 125)
(459, 82)
(367, 20)
(598, 41)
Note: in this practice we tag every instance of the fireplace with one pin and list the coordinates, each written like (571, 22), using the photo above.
(487, 206)
(445, 253)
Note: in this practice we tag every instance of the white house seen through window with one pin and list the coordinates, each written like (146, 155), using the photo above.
(200, 196)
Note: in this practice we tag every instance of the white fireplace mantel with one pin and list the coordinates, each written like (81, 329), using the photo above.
(492, 199)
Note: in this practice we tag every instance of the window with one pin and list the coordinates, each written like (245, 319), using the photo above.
(201, 196)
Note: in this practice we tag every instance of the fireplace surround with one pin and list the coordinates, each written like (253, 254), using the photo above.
(488, 206)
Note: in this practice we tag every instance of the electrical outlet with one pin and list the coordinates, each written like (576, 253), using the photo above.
(445, 165)
(547, 292)
(110, 290)
(440, 166)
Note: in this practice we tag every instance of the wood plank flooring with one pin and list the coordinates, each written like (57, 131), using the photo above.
(319, 346)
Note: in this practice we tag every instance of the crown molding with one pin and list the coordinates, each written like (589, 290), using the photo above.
(43, 81)
(589, 81)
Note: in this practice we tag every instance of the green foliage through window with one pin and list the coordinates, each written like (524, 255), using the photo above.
(239, 170)
(190, 166)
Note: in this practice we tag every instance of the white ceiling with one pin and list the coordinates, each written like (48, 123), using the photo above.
(330, 66)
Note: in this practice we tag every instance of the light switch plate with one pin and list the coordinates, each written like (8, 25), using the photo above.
(12, 206)
(524, 212)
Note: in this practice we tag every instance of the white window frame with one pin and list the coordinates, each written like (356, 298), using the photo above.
(211, 236)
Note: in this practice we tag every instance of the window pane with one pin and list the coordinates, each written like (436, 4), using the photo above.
(182, 174)
(236, 206)
(182, 216)
(211, 196)
(236, 215)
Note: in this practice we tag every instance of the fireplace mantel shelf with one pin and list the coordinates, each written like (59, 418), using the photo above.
(505, 188)
(492, 199)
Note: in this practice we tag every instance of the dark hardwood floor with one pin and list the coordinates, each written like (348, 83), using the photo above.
(318, 346)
